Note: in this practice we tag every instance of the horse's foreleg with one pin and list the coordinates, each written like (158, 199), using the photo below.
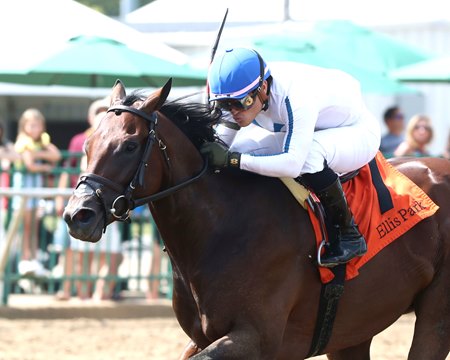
(432, 330)
(237, 345)
(358, 352)
(190, 350)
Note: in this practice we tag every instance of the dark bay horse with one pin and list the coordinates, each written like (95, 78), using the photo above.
(242, 249)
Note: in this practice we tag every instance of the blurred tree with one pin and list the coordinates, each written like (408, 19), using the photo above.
(109, 7)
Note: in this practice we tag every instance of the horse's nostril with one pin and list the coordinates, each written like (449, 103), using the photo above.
(67, 218)
(83, 216)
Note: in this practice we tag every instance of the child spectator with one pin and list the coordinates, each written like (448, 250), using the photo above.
(38, 156)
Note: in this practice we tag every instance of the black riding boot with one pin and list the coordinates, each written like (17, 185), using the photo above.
(346, 242)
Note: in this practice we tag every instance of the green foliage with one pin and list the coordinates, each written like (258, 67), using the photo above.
(109, 7)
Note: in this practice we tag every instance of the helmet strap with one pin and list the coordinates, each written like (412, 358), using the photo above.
(262, 95)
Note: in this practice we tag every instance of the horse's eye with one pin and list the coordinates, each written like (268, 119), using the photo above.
(130, 147)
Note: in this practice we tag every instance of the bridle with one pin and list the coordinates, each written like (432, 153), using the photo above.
(96, 183)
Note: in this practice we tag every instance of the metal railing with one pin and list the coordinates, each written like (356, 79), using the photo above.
(128, 259)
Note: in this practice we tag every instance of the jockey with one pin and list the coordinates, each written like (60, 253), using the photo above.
(297, 120)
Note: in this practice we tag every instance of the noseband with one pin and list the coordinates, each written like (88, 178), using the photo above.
(90, 184)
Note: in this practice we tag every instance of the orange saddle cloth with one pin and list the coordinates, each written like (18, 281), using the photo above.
(383, 212)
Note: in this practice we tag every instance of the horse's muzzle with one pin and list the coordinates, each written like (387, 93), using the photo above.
(84, 223)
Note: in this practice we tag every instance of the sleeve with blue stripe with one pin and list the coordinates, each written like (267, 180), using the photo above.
(297, 143)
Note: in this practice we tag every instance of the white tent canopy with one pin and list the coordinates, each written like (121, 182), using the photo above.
(198, 13)
(160, 15)
(30, 30)
(371, 13)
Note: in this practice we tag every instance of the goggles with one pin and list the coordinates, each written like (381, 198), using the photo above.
(240, 104)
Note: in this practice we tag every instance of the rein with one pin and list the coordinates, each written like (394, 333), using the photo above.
(94, 183)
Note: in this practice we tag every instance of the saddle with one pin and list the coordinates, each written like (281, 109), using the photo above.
(385, 204)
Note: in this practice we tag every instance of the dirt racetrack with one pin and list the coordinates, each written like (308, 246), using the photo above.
(150, 338)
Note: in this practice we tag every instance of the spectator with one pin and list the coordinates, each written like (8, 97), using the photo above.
(154, 282)
(75, 147)
(7, 155)
(394, 120)
(7, 151)
(107, 254)
(447, 148)
(419, 134)
(67, 180)
(79, 256)
(38, 156)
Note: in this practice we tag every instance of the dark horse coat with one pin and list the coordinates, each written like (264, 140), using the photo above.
(245, 284)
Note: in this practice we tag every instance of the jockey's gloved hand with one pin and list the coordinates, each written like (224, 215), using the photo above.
(219, 156)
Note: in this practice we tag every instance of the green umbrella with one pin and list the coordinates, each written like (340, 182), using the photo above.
(371, 81)
(434, 70)
(367, 55)
(366, 48)
(98, 62)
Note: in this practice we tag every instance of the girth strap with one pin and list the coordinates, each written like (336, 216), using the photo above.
(329, 300)
(330, 295)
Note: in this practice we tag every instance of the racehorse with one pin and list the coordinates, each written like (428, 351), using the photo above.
(246, 284)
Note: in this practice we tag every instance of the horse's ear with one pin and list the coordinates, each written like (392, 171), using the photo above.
(164, 93)
(118, 92)
(157, 98)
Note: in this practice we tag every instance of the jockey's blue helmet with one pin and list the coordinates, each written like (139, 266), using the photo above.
(236, 73)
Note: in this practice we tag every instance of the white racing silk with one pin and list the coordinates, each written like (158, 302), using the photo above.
(314, 114)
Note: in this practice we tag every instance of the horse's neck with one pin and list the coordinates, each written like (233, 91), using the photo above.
(177, 215)
(184, 159)
(185, 218)
(208, 212)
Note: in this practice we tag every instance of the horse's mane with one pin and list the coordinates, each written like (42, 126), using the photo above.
(195, 120)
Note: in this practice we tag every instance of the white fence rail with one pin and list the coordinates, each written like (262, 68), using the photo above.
(142, 259)
(24, 194)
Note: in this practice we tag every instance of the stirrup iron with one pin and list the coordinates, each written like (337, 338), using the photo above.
(319, 250)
